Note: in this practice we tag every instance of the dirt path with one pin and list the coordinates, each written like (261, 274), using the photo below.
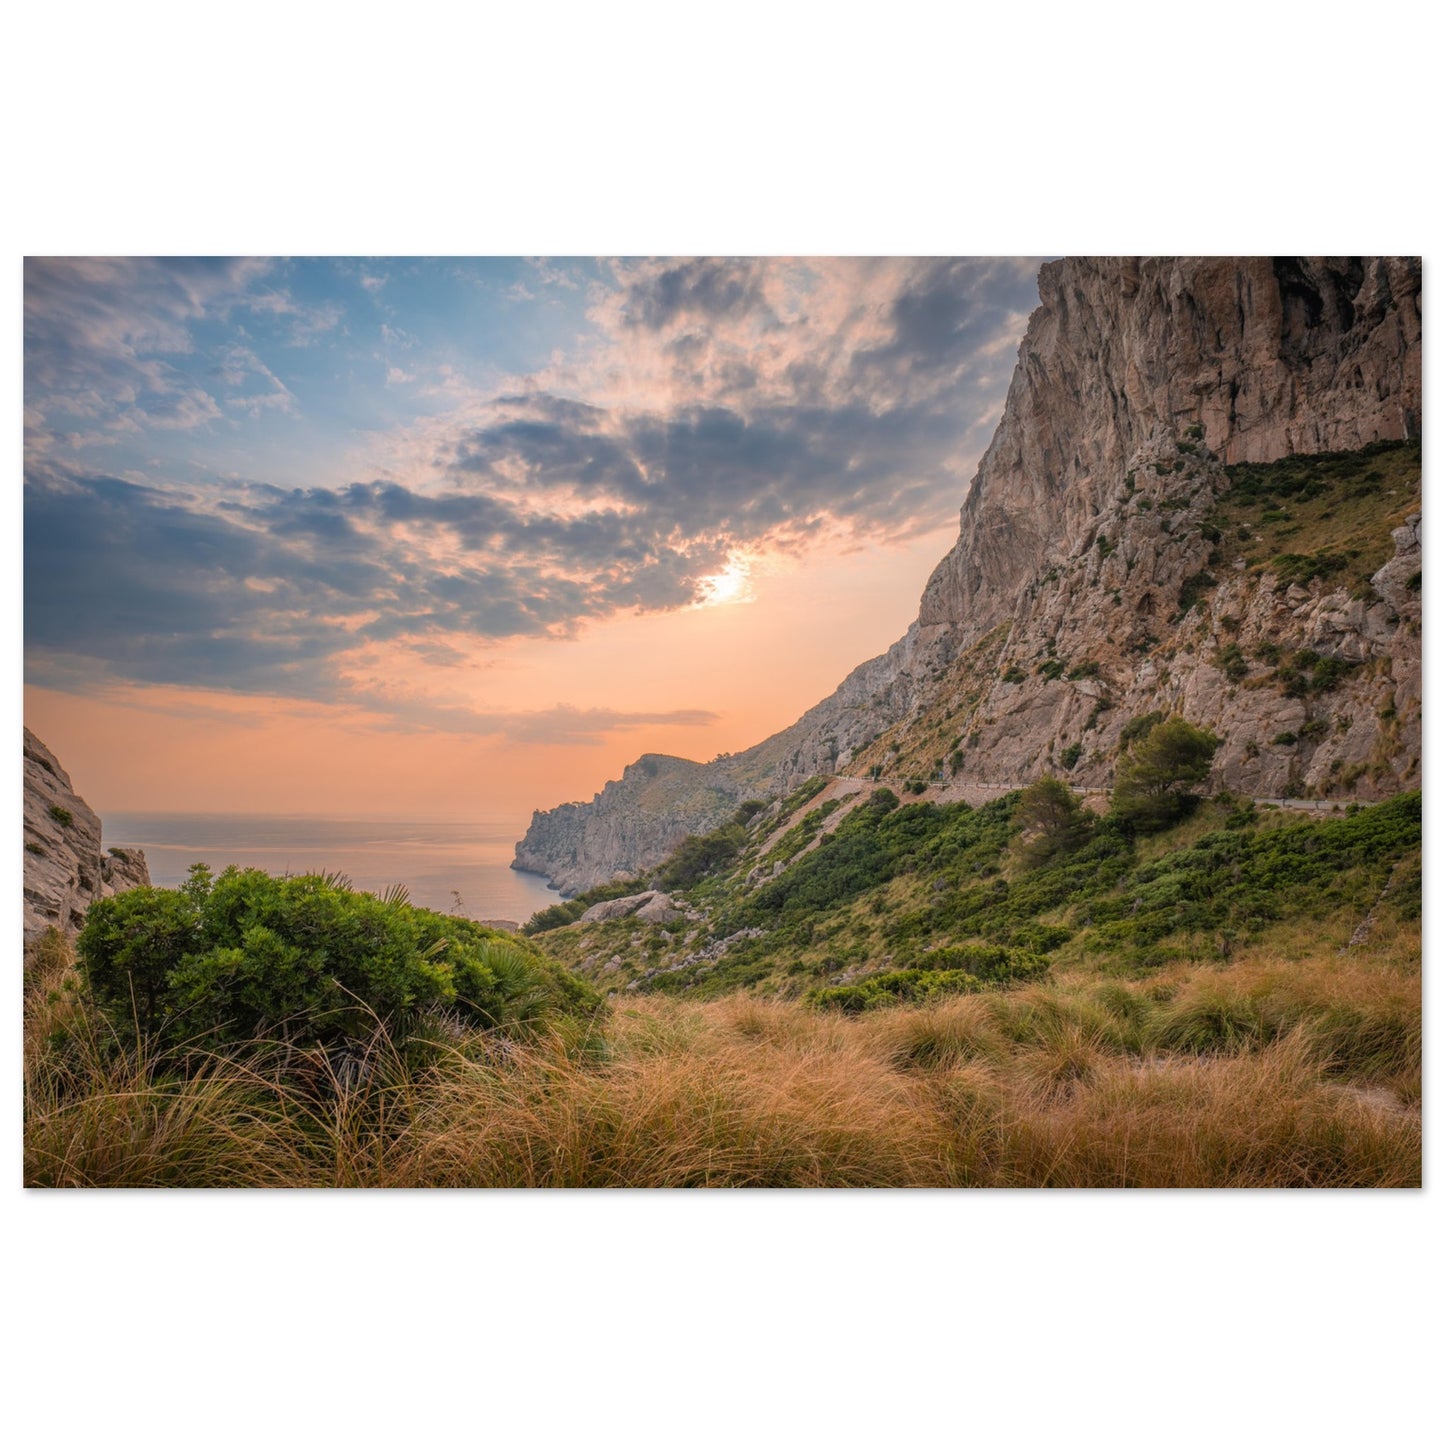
(974, 793)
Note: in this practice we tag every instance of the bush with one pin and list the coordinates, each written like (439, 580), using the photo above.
(919, 985)
(247, 955)
(63, 816)
(1231, 662)
(1194, 588)
(697, 856)
(1139, 727)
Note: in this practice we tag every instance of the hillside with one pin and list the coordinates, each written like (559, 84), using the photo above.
(1203, 496)
(846, 895)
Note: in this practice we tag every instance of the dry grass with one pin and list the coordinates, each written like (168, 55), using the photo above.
(1265, 1073)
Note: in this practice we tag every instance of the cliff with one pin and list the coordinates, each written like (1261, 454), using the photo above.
(66, 868)
(1203, 496)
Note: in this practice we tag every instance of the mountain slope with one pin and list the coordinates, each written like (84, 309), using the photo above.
(1094, 579)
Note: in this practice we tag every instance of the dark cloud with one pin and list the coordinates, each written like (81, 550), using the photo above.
(704, 291)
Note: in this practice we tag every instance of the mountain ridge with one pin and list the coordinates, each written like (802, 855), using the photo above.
(1093, 579)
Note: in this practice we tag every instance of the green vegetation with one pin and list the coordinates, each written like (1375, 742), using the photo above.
(1139, 727)
(1231, 661)
(1051, 821)
(1153, 781)
(1200, 585)
(63, 816)
(802, 832)
(967, 969)
(1307, 672)
(895, 886)
(1324, 517)
(696, 857)
(305, 960)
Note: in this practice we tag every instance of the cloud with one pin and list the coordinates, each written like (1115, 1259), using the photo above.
(721, 409)
(111, 343)
(560, 726)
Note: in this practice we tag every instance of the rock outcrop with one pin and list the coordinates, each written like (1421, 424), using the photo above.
(66, 867)
(1091, 583)
(651, 906)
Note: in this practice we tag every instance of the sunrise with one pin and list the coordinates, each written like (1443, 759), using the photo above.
(861, 722)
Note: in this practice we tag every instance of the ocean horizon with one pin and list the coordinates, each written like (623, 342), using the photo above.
(461, 867)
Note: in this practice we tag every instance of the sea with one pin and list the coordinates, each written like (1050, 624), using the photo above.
(450, 867)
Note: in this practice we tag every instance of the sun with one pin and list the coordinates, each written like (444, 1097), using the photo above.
(729, 585)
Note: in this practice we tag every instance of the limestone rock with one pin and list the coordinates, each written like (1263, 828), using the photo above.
(66, 868)
(651, 907)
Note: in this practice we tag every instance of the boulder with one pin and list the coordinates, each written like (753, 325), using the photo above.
(651, 907)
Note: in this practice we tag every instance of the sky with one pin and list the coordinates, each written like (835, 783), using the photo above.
(434, 538)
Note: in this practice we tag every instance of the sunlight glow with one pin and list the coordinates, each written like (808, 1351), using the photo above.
(732, 584)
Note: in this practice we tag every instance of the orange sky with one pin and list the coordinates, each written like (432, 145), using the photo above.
(757, 663)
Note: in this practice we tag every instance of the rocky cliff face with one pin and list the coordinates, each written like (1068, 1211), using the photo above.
(1124, 548)
(66, 868)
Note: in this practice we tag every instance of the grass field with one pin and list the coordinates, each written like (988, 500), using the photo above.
(1269, 1070)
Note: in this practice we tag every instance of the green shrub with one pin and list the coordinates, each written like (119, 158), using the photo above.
(247, 955)
(1294, 569)
(1231, 662)
(1200, 585)
(63, 816)
(919, 985)
(1139, 727)
(697, 856)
